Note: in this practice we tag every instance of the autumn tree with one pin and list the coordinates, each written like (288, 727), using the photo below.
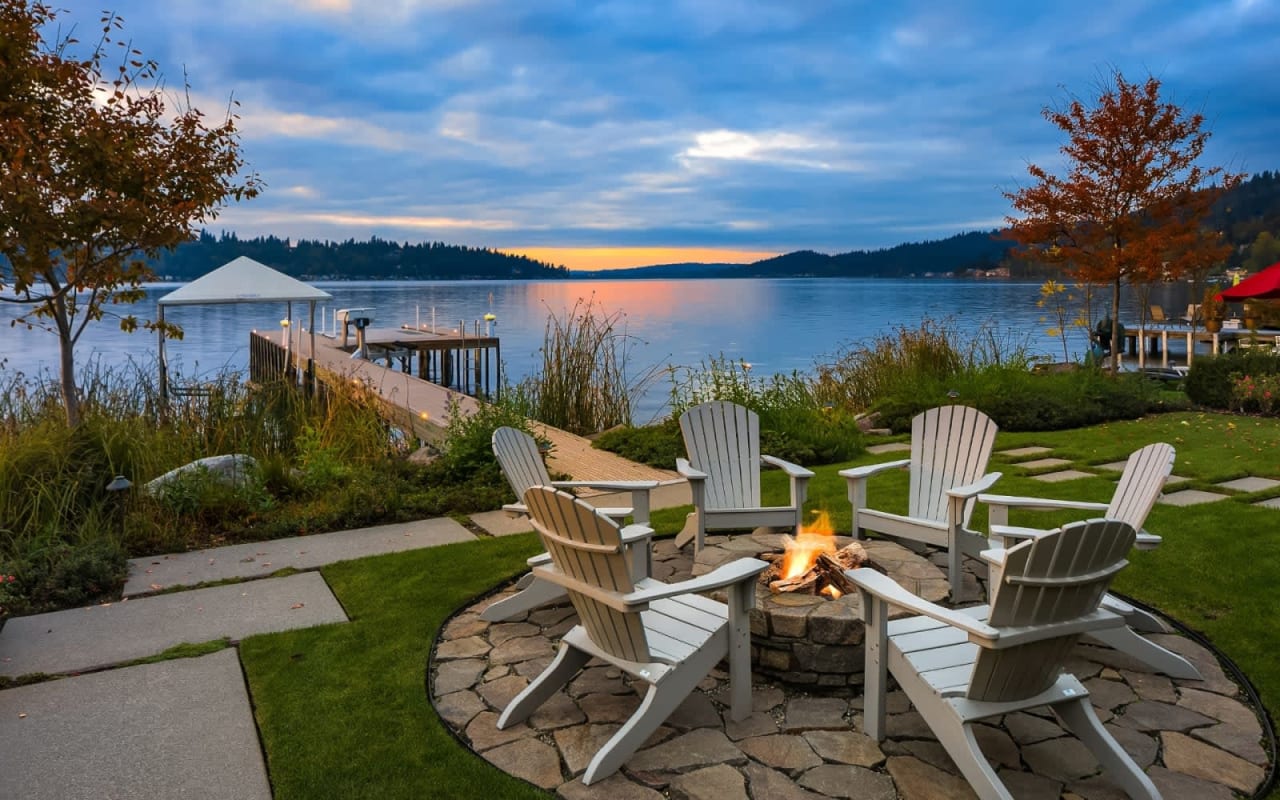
(100, 169)
(1133, 202)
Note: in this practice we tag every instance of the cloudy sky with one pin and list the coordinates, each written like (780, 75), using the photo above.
(650, 131)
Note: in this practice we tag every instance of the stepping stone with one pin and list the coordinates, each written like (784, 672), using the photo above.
(1023, 452)
(256, 559)
(1045, 463)
(1250, 484)
(1190, 497)
(86, 638)
(1114, 466)
(180, 728)
(1175, 479)
(891, 447)
(1272, 503)
(1064, 475)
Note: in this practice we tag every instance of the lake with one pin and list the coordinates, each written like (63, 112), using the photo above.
(777, 325)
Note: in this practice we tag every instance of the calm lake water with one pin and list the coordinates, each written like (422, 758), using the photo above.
(777, 325)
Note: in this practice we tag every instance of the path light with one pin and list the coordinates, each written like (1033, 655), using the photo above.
(119, 483)
(953, 394)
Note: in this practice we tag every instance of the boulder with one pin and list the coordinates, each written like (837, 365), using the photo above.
(231, 469)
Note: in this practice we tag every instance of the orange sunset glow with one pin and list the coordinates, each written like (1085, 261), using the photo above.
(620, 257)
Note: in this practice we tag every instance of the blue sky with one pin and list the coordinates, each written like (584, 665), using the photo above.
(638, 132)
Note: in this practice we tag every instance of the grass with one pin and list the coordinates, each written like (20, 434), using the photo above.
(343, 709)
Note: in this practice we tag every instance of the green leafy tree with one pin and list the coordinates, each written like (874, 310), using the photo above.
(101, 171)
(1264, 252)
(1133, 202)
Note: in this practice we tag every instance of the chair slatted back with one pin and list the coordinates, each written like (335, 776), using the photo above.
(517, 454)
(723, 440)
(1157, 314)
(950, 446)
(587, 547)
(1054, 579)
(1141, 484)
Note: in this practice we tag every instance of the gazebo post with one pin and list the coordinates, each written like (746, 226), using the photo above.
(164, 366)
(311, 353)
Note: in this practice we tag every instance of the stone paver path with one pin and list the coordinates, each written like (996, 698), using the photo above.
(1196, 739)
(1023, 452)
(181, 728)
(1250, 484)
(87, 638)
(1190, 497)
(889, 447)
(256, 559)
(1045, 463)
(1061, 475)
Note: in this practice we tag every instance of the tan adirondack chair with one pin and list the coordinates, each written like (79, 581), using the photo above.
(517, 454)
(665, 635)
(950, 448)
(722, 440)
(1135, 495)
(958, 666)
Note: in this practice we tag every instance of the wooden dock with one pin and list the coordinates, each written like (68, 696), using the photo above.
(423, 406)
(1156, 341)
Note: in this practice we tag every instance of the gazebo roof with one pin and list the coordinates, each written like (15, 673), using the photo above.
(243, 281)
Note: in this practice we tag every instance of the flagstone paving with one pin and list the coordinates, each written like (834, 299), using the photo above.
(1196, 739)
(1274, 502)
(890, 447)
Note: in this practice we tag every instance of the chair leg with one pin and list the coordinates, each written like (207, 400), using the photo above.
(537, 593)
(691, 531)
(1148, 652)
(558, 673)
(659, 701)
(1080, 719)
(958, 740)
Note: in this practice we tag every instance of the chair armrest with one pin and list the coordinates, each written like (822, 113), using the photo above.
(856, 473)
(1006, 532)
(1039, 502)
(635, 533)
(724, 575)
(1147, 541)
(980, 485)
(617, 486)
(885, 588)
(794, 470)
(686, 469)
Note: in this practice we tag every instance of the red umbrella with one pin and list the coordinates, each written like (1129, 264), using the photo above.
(1264, 285)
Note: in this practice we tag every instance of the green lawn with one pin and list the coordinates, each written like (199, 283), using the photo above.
(343, 709)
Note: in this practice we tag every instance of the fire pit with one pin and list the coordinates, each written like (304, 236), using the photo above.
(813, 636)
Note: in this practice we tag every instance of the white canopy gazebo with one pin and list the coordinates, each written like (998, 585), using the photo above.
(241, 281)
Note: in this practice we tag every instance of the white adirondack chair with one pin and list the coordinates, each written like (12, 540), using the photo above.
(1136, 493)
(962, 665)
(722, 440)
(950, 448)
(663, 634)
(517, 454)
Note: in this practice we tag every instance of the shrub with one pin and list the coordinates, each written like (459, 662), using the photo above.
(1260, 394)
(467, 451)
(1210, 381)
(657, 445)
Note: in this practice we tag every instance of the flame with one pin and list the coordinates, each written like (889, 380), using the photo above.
(811, 540)
(832, 592)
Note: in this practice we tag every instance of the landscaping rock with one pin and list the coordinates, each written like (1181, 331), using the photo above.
(229, 470)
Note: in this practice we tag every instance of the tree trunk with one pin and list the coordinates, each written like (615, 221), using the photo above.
(67, 362)
(1116, 337)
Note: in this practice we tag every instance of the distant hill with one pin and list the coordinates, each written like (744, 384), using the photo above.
(1249, 212)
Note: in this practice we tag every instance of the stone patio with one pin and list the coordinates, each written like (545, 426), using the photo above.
(1196, 739)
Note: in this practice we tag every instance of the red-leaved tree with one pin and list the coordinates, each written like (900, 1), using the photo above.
(1132, 204)
(99, 171)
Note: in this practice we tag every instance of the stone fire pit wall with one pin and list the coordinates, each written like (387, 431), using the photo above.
(808, 640)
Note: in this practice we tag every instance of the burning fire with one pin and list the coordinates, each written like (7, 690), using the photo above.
(802, 551)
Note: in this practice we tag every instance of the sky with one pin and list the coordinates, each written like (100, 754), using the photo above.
(608, 134)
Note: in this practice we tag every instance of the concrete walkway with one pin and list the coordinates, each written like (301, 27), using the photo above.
(178, 728)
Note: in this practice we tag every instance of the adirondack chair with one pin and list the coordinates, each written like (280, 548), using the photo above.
(517, 454)
(722, 440)
(950, 447)
(1140, 485)
(665, 635)
(958, 666)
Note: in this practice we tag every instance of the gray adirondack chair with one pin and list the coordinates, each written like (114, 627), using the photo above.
(722, 440)
(1140, 485)
(958, 666)
(517, 454)
(950, 448)
(665, 635)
